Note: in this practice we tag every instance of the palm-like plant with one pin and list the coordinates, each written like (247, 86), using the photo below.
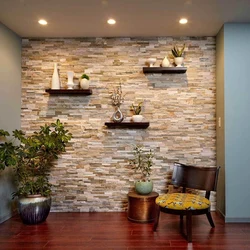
(176, 52)
(136, 108)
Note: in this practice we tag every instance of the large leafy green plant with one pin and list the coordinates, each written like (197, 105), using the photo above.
(33, 157)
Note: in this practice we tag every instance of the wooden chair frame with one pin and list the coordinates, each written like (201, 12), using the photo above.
(186, 176)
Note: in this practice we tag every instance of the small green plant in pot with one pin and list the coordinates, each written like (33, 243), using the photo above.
(32, 160)
(178, 55)
(142, 162)
(84, 81)
(136, 109)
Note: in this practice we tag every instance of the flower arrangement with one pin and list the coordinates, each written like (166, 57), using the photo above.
(117, 97)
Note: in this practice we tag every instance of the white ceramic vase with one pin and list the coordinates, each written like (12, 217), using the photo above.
(137, 118)
(55, 84)
(84, 83)
(178, 61)
(165, 62)
(70, 83)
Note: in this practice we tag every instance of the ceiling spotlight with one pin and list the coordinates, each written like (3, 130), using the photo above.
(183, 21)
(43, 22)
(111, 21)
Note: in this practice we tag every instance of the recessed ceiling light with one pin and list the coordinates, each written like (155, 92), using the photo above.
(183, 21)
(111, 21)
(43, 22)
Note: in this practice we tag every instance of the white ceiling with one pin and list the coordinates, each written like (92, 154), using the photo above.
(87, 18)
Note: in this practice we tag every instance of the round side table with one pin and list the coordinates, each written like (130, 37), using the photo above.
(142, 208)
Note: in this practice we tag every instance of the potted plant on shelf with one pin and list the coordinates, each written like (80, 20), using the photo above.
(178, 55)
(143, 162)
(136, 109)
(32, 160)
(84, 82)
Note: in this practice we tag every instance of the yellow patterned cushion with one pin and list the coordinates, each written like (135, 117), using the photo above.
(182, 201)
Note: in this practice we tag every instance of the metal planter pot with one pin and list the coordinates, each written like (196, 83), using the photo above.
(34, 209)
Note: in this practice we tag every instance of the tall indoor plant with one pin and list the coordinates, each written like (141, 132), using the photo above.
(142, 162)
(32, 158)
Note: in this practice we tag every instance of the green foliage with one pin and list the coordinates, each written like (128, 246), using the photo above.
(142, 161)
(178, 52)
(84, 76)
(33, 157)
(136, 108)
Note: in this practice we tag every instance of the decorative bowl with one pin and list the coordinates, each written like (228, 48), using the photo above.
(151, 61)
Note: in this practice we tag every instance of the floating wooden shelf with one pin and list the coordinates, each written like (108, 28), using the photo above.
(69, 91)
(165, 70)
(136, 125)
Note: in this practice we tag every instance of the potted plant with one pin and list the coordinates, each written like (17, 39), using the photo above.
(84, 82)
(143, 162)
(136, 109)
(178, 55)
(32, 159)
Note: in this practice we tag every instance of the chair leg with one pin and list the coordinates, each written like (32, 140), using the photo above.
(210, 219)
(181, 223)
(157, 215)
(189, 226)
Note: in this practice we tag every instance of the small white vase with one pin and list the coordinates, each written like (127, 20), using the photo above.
(137, 118)
(55, 84)
(165, 62)
(70, 83)
(84, 83)
(151, 61)
(178, 61)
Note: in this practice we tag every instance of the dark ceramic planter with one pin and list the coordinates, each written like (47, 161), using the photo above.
(34, 209)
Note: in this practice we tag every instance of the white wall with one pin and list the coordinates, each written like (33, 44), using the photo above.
(10, 105)
(233, 138)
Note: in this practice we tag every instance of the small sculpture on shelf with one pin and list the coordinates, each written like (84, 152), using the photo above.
(165, 62)
(84, 83)
(178, 55)
(136, 109)
(151, 62)
(55, 83)
(70, 83)
(117, 99)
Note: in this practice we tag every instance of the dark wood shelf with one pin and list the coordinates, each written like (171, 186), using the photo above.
(69, 91)
(165, 70)
(136, 125)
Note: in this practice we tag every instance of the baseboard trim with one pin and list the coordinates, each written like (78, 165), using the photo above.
(7, 216)
(236, 220)
(221, 214)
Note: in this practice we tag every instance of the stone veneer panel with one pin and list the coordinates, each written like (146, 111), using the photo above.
(93, 175)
